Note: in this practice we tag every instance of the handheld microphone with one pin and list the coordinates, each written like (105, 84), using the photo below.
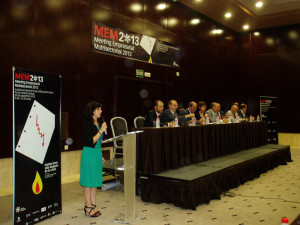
(103, 120)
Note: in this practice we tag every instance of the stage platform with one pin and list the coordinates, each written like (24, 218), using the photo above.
(188, 186)
(191, 185)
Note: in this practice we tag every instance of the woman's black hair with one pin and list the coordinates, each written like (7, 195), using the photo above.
(89, 109)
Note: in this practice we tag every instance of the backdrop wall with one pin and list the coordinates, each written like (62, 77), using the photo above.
(55, 37)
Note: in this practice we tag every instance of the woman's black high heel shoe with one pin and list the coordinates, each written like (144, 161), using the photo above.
(94, 207)
(96, 214)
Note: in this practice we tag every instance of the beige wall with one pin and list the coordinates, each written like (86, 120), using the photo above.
(291, 139)
(70, 165)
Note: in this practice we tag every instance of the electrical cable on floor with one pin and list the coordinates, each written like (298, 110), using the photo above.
(231, 195)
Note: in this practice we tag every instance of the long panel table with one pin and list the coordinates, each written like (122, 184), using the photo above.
(159, 149)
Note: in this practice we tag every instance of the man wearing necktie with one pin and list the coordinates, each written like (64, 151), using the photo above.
(232, 113)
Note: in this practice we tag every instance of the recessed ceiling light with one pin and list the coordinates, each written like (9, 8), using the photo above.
(228, 15)
(172, 22)
(246, 27)
(136, 7)
(217, 31)
(195, 21)
(161, 6)
(198, 0)
(293, 35)
(256, 33)
(259, 4)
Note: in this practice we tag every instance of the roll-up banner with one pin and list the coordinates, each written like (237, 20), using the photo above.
(122, 43)
(268, 113)
(36, 144)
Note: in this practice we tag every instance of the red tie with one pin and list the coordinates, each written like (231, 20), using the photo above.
(234, 116)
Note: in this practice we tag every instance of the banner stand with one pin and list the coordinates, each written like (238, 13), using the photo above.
(36, 145)
(268, 113)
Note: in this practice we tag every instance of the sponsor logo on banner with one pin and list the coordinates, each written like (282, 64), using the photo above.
(20, 209)
(42, 217)
(35, 212)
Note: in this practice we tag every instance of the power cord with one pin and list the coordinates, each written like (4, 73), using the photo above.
(232, 194)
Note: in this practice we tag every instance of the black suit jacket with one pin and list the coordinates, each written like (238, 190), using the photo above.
(169, 117)
(197, 115)
(241, 114)
(187, 112)
(89, 131)
(151, 118)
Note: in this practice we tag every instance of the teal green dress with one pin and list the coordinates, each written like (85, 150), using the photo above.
(91, 165)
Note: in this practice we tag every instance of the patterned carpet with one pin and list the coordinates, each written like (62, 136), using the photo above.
(262, 201)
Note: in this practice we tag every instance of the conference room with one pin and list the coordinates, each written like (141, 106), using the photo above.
(181, 111)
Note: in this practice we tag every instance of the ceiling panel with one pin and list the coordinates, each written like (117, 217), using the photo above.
(273, 13)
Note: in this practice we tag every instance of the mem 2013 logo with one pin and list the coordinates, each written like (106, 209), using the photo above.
(22, 76)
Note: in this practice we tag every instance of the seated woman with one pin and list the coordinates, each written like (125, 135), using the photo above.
(201, 110)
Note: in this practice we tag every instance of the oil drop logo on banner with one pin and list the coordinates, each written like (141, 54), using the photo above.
(36, 143)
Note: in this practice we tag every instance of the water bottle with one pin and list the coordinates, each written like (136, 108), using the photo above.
(284, 221)
(194, 121)
(250, 118)
(176, 121)
(229, 119)
(157, 122)
(258, 119)
(218, 120)
(207, 120)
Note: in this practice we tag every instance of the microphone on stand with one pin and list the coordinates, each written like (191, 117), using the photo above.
(103, 120)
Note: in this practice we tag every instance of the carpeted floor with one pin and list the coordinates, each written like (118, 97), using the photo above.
(262, 201)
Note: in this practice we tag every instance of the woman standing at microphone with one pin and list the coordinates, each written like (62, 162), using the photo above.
(92, 162)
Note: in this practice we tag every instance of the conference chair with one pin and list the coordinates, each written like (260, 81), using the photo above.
(119, 127)
(139, 121)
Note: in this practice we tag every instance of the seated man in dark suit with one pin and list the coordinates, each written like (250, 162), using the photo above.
(243, 112)
(170, 113)
(189, 112)
(154, 113)
(180, 109)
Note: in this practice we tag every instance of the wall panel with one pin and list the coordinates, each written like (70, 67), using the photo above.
(55, 36)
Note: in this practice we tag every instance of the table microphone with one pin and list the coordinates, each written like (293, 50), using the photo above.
(103, 120)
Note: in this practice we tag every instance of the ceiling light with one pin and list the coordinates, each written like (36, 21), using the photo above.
(198, 0)
(136, 7)
(228, 15)
(217, 31)
(161, 6)
(256, 33)
(195, 21)
(259, 4)
(293, 35)
(172, 22)
(270, 41)
(246, 27)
